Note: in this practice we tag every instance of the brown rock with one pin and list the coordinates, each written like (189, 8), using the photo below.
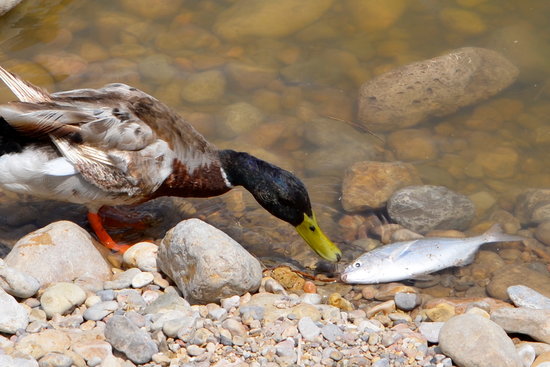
(437, 87)
(370, 184)
(518, 274)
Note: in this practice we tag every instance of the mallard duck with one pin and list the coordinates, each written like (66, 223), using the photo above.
(118, 145)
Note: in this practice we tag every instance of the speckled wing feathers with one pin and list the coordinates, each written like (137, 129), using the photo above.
(119, 139)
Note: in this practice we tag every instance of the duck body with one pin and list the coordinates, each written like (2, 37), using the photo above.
(118, 145)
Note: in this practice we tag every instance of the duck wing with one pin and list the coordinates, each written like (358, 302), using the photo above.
(94, 130)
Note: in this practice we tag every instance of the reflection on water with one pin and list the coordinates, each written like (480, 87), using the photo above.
(285, 87)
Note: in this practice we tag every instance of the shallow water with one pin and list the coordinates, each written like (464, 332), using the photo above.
(296, 83)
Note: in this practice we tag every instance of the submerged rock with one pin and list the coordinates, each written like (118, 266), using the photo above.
(258, 18)
(436, 87)
(370, 184)
(425, 208)
(206, 264)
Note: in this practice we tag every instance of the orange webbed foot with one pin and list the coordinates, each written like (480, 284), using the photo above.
(104, 237)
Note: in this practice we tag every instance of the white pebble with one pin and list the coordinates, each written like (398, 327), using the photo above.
(142, 279)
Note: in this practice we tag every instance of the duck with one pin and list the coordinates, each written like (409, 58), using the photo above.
(117, 145)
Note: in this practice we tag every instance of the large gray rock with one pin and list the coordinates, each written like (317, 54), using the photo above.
(474, 341)
(13, 316)
(59, 252)
(436, 87)
(206, 264)
(127, 338)
(424, 208)
(532, 322)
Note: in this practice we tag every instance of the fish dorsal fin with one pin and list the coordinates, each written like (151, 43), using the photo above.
(26, 92)
(402, 250)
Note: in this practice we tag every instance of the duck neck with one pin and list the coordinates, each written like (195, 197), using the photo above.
(243, 169)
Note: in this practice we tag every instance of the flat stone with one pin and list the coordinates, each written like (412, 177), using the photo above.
(523, 296)
(532, 322)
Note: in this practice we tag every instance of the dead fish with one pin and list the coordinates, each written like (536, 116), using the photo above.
(412, 259)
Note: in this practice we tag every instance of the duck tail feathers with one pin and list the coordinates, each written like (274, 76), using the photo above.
(496, 234)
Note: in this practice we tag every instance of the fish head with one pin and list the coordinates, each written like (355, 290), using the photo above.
(363, 270)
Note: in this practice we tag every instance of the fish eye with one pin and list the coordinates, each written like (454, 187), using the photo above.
(357, 264)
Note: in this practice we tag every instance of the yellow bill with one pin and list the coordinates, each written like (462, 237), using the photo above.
(316, 239)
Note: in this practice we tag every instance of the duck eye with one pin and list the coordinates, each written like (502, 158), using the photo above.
(312, 228)
(357, 264)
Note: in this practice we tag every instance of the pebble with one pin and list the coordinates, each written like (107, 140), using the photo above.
(142, 279)
(61, 298)
(16, 282)
(406, 301)
(308, 329)
(142, 255)
(55, 360)
(100, 310)
(122, 280)
(127, 338)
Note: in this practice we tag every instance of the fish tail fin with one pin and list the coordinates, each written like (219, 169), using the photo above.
(496, 234)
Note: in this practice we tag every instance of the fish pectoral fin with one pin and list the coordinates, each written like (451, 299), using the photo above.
(401, 251)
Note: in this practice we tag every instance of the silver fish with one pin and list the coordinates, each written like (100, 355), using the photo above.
(411, 259)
